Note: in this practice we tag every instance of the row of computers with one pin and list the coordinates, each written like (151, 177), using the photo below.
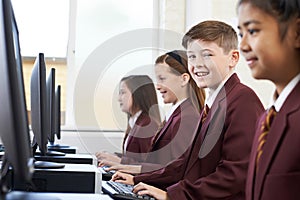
(14, 128)
(45, 106)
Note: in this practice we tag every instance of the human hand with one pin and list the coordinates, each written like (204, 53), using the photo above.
(108, 156)
(123, 178)
(131, 169)
(104, 162)
(144, 189)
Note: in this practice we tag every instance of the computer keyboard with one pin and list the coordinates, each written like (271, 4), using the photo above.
(2, 148)
(106, 175)
(122, 191)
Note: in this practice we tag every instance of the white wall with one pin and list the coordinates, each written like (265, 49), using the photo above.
(92, 141)
(225, 10)
(96, 66)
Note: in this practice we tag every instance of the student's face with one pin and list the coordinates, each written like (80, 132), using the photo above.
(125, 98)
(208, 65)
(168, 83)
(267, 55)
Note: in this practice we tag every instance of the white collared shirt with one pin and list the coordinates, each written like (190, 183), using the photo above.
(131, 123)
(212, 94)
(173, 108)
(133, 118)
(285, 93)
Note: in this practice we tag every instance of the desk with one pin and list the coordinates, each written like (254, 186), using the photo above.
(51, 196)
(70, 158)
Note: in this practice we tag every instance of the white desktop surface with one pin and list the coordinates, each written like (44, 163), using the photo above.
(81, 196)
(61, 196)
(72, 156)
(74, 167)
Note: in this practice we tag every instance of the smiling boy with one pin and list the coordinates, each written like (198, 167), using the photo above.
(218, 161)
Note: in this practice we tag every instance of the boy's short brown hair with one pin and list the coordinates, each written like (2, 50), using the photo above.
(213, 31)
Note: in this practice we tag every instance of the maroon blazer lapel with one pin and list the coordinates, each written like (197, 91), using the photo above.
(204, 142)
(252, 161)
(275, 135)
(177, 111)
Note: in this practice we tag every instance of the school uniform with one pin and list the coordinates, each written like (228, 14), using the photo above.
(217, 164)
(277, 174)
(139, 138)
(174, 138)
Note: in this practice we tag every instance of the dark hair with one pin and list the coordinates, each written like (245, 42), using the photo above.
(144, 98)
(143, 94)
(177, 60)
(281, 10)
(213, 31)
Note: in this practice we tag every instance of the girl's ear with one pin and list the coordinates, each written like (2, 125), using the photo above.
(234, 58)
(185, 78)
(297, 42)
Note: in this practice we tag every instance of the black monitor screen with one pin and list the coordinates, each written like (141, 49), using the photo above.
(13, 113)
(51, 104)
(57, 112)
(40, 118)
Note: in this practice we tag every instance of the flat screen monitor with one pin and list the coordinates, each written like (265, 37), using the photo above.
(55, 133)
(57, 112)
(40, 115)
(51, 105)
(14, 130)
(54, 111)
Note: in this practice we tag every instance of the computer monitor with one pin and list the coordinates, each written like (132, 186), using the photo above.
(55, 133)
(54, 111)
(14, 130)
(57, 112)
(51, 105)
(40, 117)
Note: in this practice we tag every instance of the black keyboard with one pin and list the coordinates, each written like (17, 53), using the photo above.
(2, 148)
(122, 191)
(106, 175)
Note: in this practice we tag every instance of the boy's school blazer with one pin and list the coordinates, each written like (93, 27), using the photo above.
(217, 164)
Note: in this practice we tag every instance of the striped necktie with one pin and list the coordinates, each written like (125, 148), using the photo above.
(204, 113)
(265, 127)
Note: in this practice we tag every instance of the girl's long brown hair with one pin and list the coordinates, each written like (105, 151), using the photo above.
(144, 98)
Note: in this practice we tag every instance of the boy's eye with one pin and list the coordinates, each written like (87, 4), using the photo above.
(207, 54)
(191, 56)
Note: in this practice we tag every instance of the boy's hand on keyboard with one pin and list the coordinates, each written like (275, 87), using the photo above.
(123, 178)
(144, 189)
